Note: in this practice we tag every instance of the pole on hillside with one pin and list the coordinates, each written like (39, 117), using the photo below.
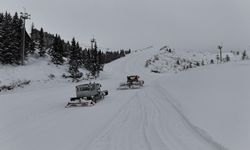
(220, 48)
(24, 16)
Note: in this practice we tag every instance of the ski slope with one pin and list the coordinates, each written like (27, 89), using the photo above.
(142, 119)
(216, 98)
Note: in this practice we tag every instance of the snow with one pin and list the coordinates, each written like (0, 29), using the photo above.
(216, 98)
(166, 61)
(36, 70)
(191, 110)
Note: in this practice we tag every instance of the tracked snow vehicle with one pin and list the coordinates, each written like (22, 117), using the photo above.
(133, 82)
(87, 95)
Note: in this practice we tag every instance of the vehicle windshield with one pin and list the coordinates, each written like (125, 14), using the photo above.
(84, 88)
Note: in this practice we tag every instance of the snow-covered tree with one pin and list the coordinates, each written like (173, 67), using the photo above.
(7, 40)
(74, 59)
(32, 45)
(57, 51)
(227, 58)
(244, 55)
(1, 36)
(41, 43)
(94, 61)
(202, 62)
(16, 43)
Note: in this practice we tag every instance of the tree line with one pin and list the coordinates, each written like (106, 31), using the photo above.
(10, 38)
(44, 43)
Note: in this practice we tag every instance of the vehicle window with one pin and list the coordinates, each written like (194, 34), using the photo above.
(84, 89)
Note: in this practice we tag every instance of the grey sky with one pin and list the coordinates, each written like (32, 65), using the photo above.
(181, 24)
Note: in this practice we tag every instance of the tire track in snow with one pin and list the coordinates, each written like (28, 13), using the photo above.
(163, 95)
(158, 125)
(164, 123)
(124, 67)
(135, 66)
(149, 120)
(151, 128)
(107, 128)
(131, 119)
(142, 129)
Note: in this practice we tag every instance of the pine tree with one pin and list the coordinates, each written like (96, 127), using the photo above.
(10, 38)
(217, 58)
(227, 58)
(78, 56)
(16, 38)
(202, 62)
(197, 64)
(32, 45)
(41, 43)
(95, 62)
(178, 62)
(83, 57)
(35, 34)
(60, 50)
(88, 60)
(1, 35)
(244, 55)
(66, 47)
(57, 51)
(100, 60)
(74, 62)
(122, 53)
(7, 53)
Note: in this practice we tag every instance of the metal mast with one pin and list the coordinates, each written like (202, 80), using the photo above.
(24, 16)
(92, 43)
(220, 48)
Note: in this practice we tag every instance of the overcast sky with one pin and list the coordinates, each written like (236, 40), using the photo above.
(180, 24)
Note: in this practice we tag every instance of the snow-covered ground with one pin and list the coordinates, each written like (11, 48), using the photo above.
(38, 71)
(216, 98)
(204, 108)
(174, 61)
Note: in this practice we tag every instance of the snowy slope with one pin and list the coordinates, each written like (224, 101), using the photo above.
(216, 98)
(147, 118)
(175, 61)
(37, 70)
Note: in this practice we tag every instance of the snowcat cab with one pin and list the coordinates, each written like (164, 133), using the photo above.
(133, 82)
(133, 78)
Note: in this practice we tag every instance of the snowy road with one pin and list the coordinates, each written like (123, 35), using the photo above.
(141, 119)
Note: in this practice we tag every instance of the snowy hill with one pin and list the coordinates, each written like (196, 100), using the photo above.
(37, 71)
(216, 98)
(170, 112)
(173, 61)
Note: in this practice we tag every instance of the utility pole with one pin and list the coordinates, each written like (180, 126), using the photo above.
(220, 48)
(24, 16)
(92, 43)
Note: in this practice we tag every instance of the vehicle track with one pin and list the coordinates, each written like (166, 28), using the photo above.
(153, 120)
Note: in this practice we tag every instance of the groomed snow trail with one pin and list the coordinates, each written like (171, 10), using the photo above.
(151, 119)
(141, 119)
